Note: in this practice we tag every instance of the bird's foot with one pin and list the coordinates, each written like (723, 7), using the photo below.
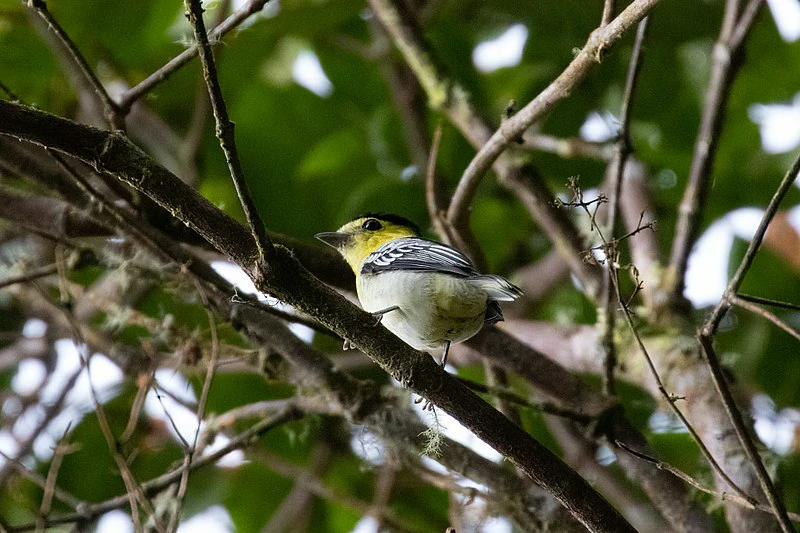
(379, 314)
(427, 406)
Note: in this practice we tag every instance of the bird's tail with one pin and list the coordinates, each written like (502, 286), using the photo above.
(499, 289)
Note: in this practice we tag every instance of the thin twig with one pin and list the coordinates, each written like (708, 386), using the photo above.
(61, 449)
(11, 95)
(763, 313)
(384, 483)
(567, 147)
(542, 407)
(50, 412)
(609, 8)
(495, 375)
(31, 275)
(712, 322)
(433, 200)
(135, 93)
(724, 496)
(670, 399)
(191, 452)
(136, 407)
(156, 485)
(746, 21)
(768, 301)
(112, 110)
(134, 492)
(616, 170)
(41, 482)
(306, 478)
(225, 134)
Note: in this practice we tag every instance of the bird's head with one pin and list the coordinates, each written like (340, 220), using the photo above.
(365, 234)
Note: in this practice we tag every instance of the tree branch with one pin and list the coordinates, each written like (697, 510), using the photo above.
(288, 281)
(225, 134)
(112, 111)
(616, 170)
(447, 95)
(706, 340)
(727, 59)
(599, 41)
(174, 64)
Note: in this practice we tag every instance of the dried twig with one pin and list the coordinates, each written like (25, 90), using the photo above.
(623, 305)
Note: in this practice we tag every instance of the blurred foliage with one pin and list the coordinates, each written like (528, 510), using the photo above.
(314, 162)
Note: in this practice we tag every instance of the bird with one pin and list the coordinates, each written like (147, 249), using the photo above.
(427, 293)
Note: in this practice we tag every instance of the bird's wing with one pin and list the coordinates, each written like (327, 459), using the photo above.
(419, 255)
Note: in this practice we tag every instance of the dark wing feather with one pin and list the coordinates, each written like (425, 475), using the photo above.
(411, 253)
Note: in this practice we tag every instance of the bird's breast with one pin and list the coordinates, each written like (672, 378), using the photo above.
(434, 308)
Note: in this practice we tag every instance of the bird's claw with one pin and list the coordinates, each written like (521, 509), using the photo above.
(427, 406)
(379, 314)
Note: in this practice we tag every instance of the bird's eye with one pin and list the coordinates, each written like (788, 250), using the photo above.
(371, 225)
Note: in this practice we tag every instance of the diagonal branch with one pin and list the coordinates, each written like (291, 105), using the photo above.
(135, 93)
(712, 323)
(723, 496)
(599, 41)
(112, 110)
(447, 95)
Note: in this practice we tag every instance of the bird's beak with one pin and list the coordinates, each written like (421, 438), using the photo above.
(333, 238)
